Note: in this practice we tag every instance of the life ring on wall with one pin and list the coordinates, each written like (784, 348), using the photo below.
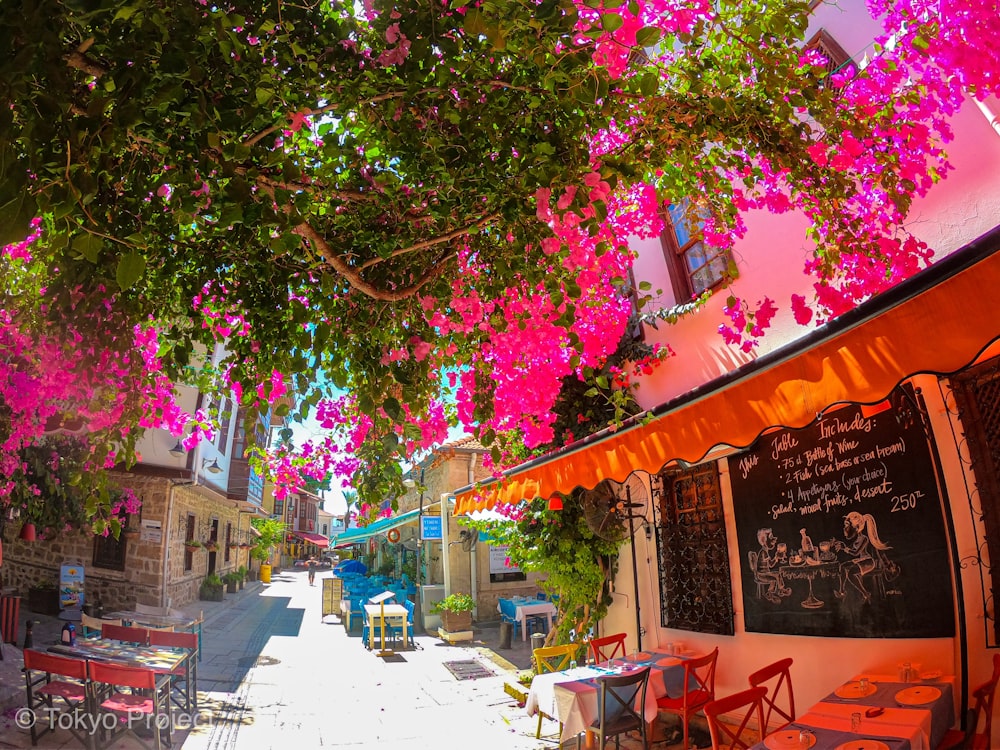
(392, 535)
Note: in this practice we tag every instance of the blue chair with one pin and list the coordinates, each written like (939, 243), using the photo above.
(392, 632)
(357, 613)
(508, 613)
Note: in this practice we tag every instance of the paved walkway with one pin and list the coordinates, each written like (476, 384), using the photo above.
(275, 675)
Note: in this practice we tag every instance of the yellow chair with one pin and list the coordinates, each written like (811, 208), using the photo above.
(92, 625)
(552, 659)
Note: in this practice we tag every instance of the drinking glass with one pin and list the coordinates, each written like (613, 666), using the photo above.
(805, 739)
(863, 684)
(670, 648)
(572, 664)
(856, 721)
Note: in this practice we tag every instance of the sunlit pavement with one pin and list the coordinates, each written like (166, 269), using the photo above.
(275, 675)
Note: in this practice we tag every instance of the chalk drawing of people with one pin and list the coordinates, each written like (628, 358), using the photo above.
(766, 572)
(866, 552)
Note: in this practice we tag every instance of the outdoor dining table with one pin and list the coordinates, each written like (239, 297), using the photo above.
(378, 615)
(525, 608)
(914, 716)
(571, 696)
(159, 659)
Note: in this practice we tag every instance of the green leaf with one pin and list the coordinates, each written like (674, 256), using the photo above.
(475, 25)
(392, 409)
(130, 269)
(89, 246)
(648, 36)
(649, 83)
(611, 22)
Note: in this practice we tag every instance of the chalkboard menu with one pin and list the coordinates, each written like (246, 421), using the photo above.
(840, 529)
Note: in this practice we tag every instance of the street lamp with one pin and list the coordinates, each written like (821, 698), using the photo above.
(178, 450)
(211, 468)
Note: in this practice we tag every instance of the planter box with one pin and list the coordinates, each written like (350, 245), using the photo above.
(211, 595)
(44, 601)
(456, 622)
(232, 588)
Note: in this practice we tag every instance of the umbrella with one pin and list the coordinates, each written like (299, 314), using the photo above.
(350, 566)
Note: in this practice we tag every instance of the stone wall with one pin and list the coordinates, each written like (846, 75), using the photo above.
(154, 568)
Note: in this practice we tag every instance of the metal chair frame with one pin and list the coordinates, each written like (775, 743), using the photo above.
(728, 735)
(616, 707)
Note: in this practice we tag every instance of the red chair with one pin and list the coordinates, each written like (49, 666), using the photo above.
(125, 634)
(699, 690)
(970, 739)
(609, 647)
(183, 680)
(745, 707)
(43, 691)
(135, 697)
(777, 679)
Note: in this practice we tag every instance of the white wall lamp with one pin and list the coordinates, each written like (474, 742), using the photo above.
(211, 468)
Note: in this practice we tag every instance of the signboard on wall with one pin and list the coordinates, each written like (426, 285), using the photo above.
(431, 529)
(151, 531)
(70, 591)
(840, 529)
(498, 560)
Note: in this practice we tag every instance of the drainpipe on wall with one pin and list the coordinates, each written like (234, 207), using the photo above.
(991, 117)
(473, 559)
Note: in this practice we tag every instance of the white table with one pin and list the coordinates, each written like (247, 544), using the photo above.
(382, 614)
(531, 608)
(571, 696)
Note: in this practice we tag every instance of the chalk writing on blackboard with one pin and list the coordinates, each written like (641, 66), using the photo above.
(838, 524)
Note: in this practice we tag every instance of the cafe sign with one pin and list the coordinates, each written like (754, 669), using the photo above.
(840, 528)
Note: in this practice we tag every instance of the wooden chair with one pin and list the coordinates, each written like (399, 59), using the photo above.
(139, 636)
(777, 679)
(134, 696)
(552, 659)
(609, 647)
(744, 711)
(91, 626)
(698, 690)
(183, 680)
(42, 691)
(620, 706)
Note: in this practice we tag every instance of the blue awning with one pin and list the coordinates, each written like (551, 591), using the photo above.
(360, 534)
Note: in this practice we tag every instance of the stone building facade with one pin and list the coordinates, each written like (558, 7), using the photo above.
(149, 563)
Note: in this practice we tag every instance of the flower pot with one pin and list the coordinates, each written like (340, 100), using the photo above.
(456, 622)
(232, 587)
(44, 601)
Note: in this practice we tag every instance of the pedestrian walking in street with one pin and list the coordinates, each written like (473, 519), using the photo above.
(311, 564)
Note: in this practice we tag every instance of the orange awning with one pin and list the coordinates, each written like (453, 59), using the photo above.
(939, 321)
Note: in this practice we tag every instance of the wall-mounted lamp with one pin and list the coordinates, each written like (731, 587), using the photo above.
(178, 450)
(27, 532)
(212, 468)
(409, 483)
(555, 502)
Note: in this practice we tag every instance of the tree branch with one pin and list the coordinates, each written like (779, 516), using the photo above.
(433, 241)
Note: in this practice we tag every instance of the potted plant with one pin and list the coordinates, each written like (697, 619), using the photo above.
(456, 612)
(211, 588)
(232, 581)
(242, 572)
(212, 546)
(192, 544)
(43, 598)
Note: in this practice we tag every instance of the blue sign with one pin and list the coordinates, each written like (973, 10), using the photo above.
(431, 529)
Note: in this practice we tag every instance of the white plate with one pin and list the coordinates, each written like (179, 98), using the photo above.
(863, 745)
(668, 661)
(853, 691)
(787, 739)
(931, 675)
(917, 696)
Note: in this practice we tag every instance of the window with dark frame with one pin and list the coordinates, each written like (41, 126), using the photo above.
(189, 536)
(977, 394)
(695, 585)
(225, 418)
(832, 52)
(109, 553)
(694, 266)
